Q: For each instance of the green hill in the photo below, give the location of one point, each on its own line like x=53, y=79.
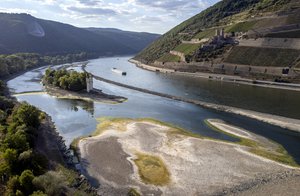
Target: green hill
x=25, y=33
x=227, y=14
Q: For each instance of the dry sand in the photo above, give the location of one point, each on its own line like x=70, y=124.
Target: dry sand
x=197, y=166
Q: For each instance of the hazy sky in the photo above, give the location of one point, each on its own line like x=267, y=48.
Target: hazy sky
x=133, y=15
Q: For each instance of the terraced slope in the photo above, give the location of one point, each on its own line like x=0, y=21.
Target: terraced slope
x=230, y=14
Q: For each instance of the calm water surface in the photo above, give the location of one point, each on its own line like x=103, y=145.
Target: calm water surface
x=274, y=101
x=76, y=118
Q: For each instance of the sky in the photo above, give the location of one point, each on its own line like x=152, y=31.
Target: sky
x=132, y=15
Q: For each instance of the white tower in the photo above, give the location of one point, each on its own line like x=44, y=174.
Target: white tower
x=89, y=83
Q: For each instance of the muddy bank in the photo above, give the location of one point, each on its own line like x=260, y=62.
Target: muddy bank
x=96, y=96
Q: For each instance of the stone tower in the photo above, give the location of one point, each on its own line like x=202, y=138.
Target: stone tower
x=89, y=83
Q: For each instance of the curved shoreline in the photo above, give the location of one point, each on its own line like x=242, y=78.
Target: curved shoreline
x=283, y=122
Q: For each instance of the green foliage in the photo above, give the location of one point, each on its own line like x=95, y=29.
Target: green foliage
x=2, y=116
x=26, y=181
x=207, y=33
x=241, y=26
x=187, y=49
x=18, y=133
x=17, y=141
x=13, y=185
x=271, y=5
x=51, y=183
x=27, y=115
x=10, y=64
x=19, y=193
x=6, y=104
x=73, y=80
x=169, y=58
x=38, y=193
x=10, y=156
x=133, y=192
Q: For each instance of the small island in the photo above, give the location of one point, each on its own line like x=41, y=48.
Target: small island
x=63, y=83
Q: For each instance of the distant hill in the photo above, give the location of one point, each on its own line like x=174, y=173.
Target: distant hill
x=137, y=41
x=25, y=33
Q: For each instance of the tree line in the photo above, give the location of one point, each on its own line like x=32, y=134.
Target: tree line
x=68, y=80
x=14, y=63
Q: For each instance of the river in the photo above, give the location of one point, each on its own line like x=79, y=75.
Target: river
x=76, y=118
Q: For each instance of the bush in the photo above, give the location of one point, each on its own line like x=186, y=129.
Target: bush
x=26, y=181
x=12, y=185
x=51, y=183
x=27, y=115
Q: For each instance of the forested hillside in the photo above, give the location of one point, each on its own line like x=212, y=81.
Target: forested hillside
x=25, y=33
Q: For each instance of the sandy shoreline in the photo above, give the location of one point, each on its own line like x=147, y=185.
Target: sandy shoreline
x=97, y=97
x=197, y=166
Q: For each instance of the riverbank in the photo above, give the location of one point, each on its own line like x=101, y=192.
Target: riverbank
x=221, y=77
x=94, y=95
x=196, y=165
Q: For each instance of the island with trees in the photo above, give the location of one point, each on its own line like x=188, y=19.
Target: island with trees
x=71, y=84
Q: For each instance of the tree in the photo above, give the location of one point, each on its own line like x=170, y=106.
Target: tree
x=17, y=141
x=11, y=156
x=26, y=181
x=51, y=183
x=12, y=185
x=26, y=114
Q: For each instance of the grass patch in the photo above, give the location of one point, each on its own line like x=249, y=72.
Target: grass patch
x=167, y=57
x=241, y=26
x=173, y=128
x=187, y=48
x=152, y=169
x=133, y=192
x=279, y=155
x=207, y=33
x=275, y=57
x=104, y=124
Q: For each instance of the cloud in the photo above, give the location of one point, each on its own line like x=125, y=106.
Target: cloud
x=90, y=2
x=146, y=19
x=17, y=10
x=93, y=11
x=171, y=5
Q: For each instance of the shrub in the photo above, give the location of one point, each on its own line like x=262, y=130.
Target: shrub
x=26, y=181
x=51, y=183
x=26, y=114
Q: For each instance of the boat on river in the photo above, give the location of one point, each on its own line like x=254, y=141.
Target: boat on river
x=123, y=73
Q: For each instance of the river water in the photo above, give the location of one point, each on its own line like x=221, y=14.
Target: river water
x=75, y=118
